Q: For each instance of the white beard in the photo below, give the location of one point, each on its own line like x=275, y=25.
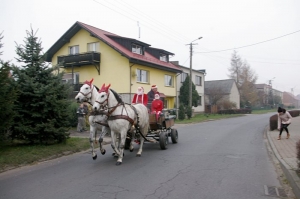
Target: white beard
x=140, y=92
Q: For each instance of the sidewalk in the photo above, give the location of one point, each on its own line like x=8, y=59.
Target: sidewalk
x=285, y=151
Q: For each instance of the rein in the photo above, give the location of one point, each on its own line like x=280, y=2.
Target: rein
x=91, y=92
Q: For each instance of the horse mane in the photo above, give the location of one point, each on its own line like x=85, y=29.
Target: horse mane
x=96, y=88
x=117, y=96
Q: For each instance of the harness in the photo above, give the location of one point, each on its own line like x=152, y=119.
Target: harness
x=101, y=112
x=125, y=117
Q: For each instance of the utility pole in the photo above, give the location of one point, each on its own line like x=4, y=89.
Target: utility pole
x=191, y=63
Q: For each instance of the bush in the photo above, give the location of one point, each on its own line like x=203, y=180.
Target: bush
x=235, y=111
x=181, y=113
x=72, y=109
x=189, y=112
x=298, y=152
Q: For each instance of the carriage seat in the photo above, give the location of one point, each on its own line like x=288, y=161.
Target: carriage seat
x=156, y=124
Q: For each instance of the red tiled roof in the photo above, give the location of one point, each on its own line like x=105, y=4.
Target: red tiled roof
x=104, y=36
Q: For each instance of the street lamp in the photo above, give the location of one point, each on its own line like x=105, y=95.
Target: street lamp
x=272, y=91
x=191, y=54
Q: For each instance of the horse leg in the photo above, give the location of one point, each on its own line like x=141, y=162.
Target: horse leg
x=131, y=147
x=113, y=143
x=92, y=132
x=144, y=132
x=122, y=137
x=102, y=134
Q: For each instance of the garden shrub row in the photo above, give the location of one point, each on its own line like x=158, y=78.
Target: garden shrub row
x=235, y=111
x=274, y=119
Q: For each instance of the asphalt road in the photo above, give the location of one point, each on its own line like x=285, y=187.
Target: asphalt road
x=223, y=159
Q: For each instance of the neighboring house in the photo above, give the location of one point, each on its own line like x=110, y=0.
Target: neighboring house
x=266, y=94
x=87, y=52
x=198, y=78
x=289, y=100
x=219, y=90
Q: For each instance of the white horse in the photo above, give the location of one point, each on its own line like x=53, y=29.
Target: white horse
x=121, y=118
x=98, y=120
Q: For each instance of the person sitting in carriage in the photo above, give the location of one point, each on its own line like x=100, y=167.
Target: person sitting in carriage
x=157, y=106
x=140, y=97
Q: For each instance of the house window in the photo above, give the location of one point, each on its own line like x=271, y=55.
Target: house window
x=136, y=49
x=73, y=50
x=200, y=101
x=163, y=57
x=198, y=80
x=165, y=103
x=183, y=76
x=67, y=78
x=168, y=80
x=142, y=76
x=93, y=47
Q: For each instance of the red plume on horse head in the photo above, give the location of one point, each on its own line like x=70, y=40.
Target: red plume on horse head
x=104, y=88
x=89, y=82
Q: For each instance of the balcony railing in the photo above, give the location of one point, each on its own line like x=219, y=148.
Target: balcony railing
x=80, y=59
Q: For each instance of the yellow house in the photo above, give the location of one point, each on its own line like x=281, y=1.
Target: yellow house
x=85, y=52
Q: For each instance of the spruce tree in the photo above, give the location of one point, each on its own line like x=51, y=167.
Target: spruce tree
x=42, y=102
x=7, y=97
x=184, y=93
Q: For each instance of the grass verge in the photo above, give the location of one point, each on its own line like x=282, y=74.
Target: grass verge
x=13, y=155
x=205, y=117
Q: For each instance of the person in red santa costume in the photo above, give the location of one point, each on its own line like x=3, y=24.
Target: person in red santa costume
x=140, y=97
x=157, y=106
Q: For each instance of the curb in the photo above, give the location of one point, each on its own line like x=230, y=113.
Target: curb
x=290, y=174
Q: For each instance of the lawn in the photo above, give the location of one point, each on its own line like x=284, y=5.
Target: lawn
x=15, y=154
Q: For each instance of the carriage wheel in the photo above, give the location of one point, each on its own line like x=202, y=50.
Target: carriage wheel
x=163, y=140
x=174, y=136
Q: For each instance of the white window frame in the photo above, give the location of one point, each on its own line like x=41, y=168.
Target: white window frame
x=73, y=50
x=183, y=76
x=68, y=78
x=163, y=57
x=93, y=47
x=198, y=80
x=142, y=76
x=168, y=80
x=137, y=49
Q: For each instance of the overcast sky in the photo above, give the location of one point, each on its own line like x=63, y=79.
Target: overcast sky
x=266, y=33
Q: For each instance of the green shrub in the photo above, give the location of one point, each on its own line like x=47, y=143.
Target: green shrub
x=189, y=112
x=181, y=113
x=72, y=109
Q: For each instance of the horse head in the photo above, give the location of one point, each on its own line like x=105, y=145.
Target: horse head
x=85, y=93
x=102, y=98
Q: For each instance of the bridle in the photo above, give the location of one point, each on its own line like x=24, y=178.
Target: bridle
x=91, y=92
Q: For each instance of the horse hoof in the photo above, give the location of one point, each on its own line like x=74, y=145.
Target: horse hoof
x=118, y=163
x=138, y=155
x=95, y=157
x=113, y=154
x=103, y=152
x=131, y=150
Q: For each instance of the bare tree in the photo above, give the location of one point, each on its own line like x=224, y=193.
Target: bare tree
x=245, y=78
x=214, y=95
x=235, y=68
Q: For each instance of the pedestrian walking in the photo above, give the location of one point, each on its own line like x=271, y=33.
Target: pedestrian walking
x=81, y=118
x=284, y=120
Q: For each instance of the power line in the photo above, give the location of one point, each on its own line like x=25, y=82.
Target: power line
x=162, y=31
x=250, y=44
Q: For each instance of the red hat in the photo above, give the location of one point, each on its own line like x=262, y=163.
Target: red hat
x=153, y=86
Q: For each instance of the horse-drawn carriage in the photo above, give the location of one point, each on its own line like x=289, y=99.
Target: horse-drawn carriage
x=125, y=122
x=159, y=131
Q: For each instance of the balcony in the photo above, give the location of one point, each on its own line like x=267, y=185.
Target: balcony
x=81, y=59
